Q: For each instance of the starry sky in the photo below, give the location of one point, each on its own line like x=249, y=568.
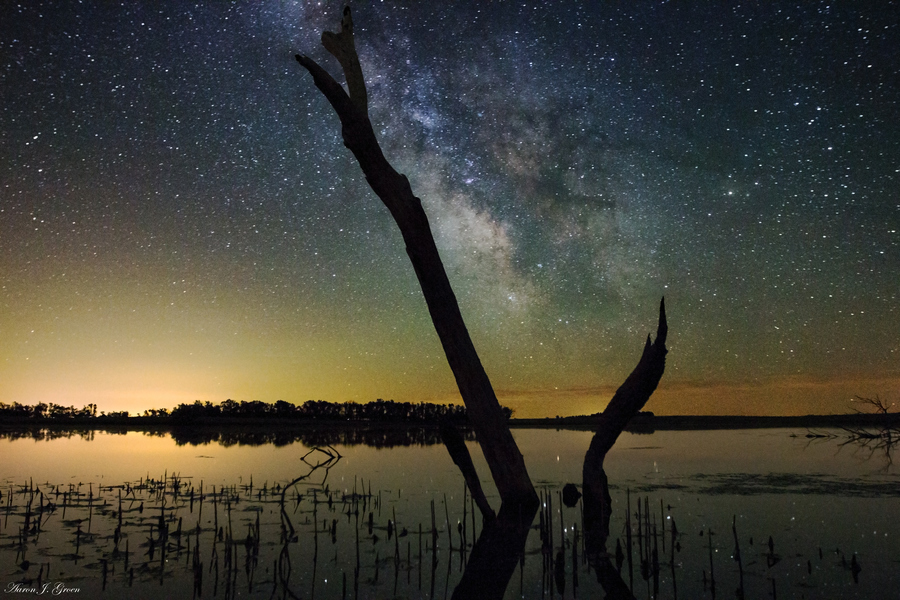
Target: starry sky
x=180, y=221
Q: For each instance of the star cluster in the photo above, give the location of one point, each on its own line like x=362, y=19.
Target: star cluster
x=179, y=219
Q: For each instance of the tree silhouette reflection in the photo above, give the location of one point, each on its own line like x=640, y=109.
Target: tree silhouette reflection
x=501, y=544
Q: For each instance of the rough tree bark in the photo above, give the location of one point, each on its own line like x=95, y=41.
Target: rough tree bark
x=500, y=450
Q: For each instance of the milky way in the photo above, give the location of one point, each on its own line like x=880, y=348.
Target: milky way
x=179, y=219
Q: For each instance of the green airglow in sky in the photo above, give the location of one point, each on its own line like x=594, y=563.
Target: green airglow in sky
x=180, y=221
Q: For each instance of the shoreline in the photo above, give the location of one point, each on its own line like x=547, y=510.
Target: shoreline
x=647, y=423
x=643, y=422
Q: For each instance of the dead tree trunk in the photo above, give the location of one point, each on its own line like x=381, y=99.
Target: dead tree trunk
x=498, y=549
x=500, y=450
x=632, y=395
x=596, y=501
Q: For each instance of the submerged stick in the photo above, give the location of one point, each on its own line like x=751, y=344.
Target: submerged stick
x=712, y=576
x=737, y=556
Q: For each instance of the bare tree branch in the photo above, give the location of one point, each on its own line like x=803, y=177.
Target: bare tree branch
x=631, y=397
x=342, y=46
x=503, y=457
x=879, y=406
x=628, y=400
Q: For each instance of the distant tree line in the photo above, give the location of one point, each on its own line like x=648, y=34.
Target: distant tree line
x=373, y=434
x=379, y=410
x=54, y=411
x=186, y=413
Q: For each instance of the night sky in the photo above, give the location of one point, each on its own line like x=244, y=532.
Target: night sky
x=179, y=219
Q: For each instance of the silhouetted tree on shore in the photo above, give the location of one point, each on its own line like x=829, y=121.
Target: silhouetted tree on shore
x=387, y=411
x=871, y=405
x=47, y=411
x=376, y=411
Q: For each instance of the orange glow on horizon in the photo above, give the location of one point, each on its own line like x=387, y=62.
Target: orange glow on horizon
x=786, y=396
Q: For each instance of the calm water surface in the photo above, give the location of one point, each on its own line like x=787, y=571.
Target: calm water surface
x=139, y=516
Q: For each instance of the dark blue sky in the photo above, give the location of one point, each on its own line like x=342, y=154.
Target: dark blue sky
x=181, y=221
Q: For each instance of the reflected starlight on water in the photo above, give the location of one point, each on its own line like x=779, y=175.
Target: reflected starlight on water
x=219, y=513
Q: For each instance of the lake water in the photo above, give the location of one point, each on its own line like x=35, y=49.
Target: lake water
x=140, y=516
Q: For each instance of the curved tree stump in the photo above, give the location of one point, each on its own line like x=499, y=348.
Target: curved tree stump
x=628, y=400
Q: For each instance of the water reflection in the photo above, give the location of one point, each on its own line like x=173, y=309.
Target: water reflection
x=501, y=546
x=352, y=532
x=375, y=436
x=873, y=442
x=42, y=434
x=597, y=507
